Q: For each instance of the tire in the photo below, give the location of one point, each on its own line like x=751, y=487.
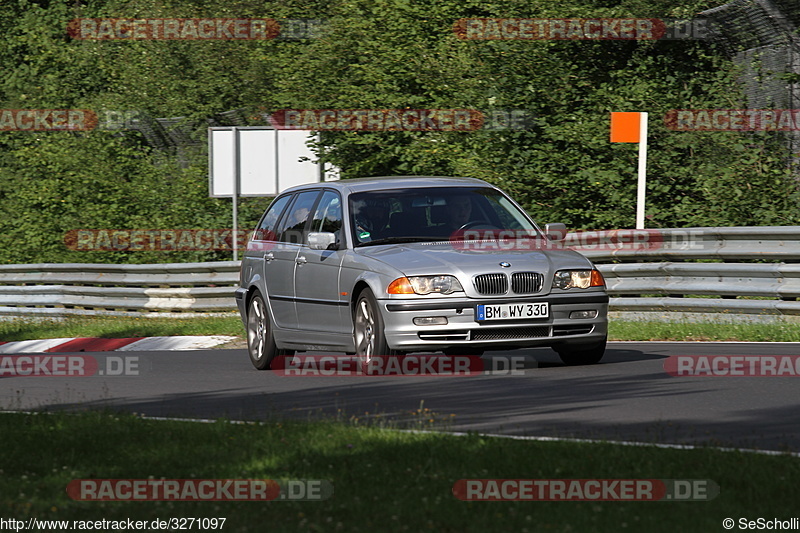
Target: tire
x=260, y=339
x=582, y=354
x=368, y=331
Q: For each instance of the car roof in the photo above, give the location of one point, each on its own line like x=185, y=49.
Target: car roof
x=379, y=183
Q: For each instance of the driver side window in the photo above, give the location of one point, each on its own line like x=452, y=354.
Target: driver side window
x=328, y=215
x=292, y=227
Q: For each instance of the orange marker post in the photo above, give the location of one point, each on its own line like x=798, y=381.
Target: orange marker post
x=632, y=128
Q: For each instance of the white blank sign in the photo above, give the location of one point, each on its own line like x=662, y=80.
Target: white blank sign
x=258, y=150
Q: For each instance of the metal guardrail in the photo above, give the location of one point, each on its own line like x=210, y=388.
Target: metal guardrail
x=770, y=243
x=736, y=288
x=172, y=290
x=671, y=283
x=654, y=271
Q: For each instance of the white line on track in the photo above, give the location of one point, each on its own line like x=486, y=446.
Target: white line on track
x=489, y=435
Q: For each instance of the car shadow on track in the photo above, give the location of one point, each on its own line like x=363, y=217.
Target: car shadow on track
x=548, y=358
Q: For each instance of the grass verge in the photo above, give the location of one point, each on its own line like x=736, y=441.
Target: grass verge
x=384, y=480
x=702, y=331
x=117, y=327
x=620, y=330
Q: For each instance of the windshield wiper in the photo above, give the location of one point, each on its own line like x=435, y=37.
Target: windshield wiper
x=397, y=240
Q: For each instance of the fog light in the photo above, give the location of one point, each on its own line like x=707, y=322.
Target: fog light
x=430, y=320
x=583, y=314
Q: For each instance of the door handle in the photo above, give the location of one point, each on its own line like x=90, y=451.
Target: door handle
x=269, y=256
x=301, y=260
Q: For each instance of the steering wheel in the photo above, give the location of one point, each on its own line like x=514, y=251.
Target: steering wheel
x=474, y=223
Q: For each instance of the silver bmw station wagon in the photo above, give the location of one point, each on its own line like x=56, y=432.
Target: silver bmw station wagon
x=386, y=266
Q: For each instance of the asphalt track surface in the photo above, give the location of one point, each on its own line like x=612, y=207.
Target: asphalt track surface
x=628, y=396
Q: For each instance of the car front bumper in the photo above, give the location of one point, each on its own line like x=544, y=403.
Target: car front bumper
x=240, y=295
x=462, y=328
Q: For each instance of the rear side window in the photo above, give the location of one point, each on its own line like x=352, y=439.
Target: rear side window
x=266, y=229
x=292, y=227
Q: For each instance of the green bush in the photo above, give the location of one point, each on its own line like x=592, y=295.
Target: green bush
x=383, y=54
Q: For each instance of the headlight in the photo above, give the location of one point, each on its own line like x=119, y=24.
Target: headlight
x=578, y=279
x=425, y=285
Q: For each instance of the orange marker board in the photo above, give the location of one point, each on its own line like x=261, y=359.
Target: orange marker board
x=626, y=127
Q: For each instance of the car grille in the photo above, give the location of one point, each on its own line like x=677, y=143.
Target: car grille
x=497, y=334
x=497, y=284
x=489, y=284
x=526, y=282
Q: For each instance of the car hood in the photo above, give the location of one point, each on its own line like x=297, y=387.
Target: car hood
x=443, y=258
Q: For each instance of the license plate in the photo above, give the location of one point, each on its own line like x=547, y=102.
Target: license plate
x=513, y=311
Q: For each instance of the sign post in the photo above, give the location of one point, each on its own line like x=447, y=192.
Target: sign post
x=632, y=128
x=249, y=161
x=237, y=184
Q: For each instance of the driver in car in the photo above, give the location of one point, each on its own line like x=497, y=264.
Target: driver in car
x=459, y=210
x=372, y=220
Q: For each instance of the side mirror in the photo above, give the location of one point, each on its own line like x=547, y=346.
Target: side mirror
x=322, y=241
x=555, y=231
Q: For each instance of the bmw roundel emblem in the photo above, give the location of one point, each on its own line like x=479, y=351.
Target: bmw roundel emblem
x=505, y=264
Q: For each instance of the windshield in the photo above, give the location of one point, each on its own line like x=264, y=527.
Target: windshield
x=434, y=214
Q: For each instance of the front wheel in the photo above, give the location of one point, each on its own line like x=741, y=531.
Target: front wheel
x=582, y=354
x=368, y=330
x=260, y=339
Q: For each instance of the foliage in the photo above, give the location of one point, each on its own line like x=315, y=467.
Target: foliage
x=383, y=54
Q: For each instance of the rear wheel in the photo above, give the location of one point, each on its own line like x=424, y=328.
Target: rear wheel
x=368, y=330
x=260, y=339
x=582, y=354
